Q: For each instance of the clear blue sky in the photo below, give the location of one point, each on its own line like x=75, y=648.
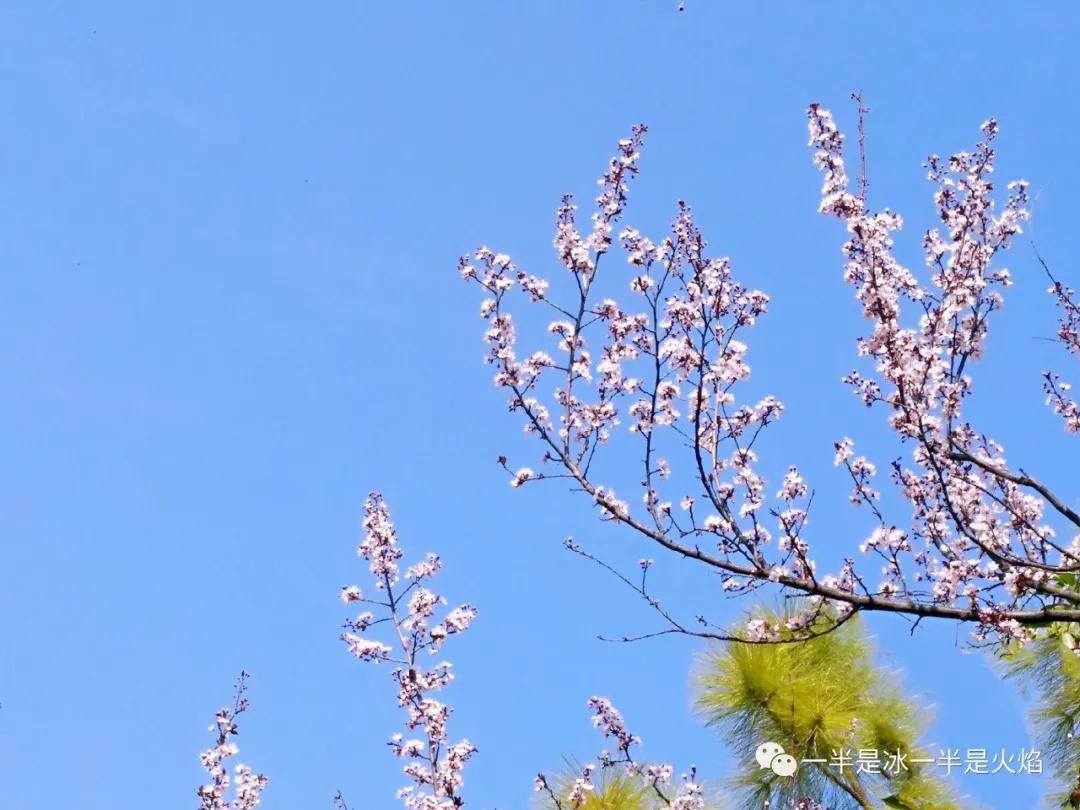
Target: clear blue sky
x=229, y=307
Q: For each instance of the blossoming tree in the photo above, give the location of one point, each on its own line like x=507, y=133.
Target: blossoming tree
x=981, y=542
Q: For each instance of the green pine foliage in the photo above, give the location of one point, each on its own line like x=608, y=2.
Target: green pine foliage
x=1048, y=669
x=815, y=698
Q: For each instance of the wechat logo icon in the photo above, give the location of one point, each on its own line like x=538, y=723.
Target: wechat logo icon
x=771, y=755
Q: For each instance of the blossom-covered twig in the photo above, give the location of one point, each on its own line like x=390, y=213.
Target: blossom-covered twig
x=1068, y=335
x=407, y=609
x=246, y=785
x=655, y=778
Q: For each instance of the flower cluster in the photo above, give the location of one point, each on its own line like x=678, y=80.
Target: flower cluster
x=246, y=785
x=1068, y=335
x=1069, y=324
x=978, y=545
x=409, y=608
x=687, y=794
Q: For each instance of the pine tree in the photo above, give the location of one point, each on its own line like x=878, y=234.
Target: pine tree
x=817, y=698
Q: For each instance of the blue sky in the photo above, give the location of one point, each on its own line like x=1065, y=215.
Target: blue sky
x=227, y=287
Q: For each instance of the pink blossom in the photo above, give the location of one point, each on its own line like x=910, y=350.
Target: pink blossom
x=246, y=785
x=433, y=763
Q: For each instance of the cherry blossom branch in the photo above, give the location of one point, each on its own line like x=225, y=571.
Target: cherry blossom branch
x=806, y=623
x=640, y=589
x=839, y=590
x=433, y=763
x=656, y=778
x=246, y=785
x=1068, y=335
x=1059, y=400
x=1069, y=326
